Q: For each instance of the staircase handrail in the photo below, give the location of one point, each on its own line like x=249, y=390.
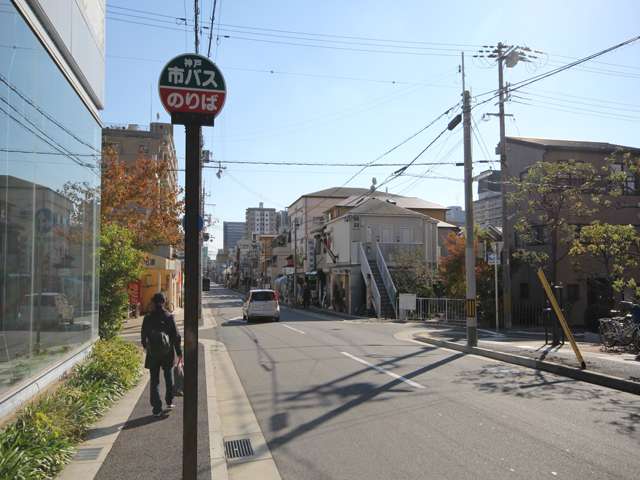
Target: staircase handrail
x=387, y=279
x=366, y=271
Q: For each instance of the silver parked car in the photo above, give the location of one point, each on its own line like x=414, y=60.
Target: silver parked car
x=261, y=304
x=51, y=308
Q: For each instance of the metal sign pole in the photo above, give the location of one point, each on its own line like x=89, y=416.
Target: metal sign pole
x=192, y=297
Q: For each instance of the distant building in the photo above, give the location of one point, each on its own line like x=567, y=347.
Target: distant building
x=455, y=215
x=260, y=221
x=132, y=141
x=282, y=221
x=232, y=232
x=487, y=210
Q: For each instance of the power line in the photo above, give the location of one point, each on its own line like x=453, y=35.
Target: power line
x=298, y=44
x=536, y=78
x=46, y=139
x=42, y=112
x=311, y=34
x=411, y=137
x=274, y=71
x=36, y=152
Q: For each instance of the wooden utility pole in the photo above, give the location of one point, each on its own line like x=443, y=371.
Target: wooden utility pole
x=469, y=253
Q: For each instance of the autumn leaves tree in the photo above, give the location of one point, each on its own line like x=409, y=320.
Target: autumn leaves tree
x=452, y=273
x=140, y=198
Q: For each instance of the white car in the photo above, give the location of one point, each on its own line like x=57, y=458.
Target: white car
x=52, y=309
x=261, y=304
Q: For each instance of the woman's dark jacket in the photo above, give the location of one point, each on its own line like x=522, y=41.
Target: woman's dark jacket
x=163, y=321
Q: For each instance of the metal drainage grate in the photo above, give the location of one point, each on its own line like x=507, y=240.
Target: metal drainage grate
x=238, y=448
x=87, y=454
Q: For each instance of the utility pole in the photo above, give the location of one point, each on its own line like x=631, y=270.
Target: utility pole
x=510, y=55
x=504, y=176
x=469, y=256
x=295, y=262
x=192, y=287
x=197, y=23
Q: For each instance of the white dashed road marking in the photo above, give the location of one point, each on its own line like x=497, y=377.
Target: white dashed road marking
x=382, y=370
x=291, y=328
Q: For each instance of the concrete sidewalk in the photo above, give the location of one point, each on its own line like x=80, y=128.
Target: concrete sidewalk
x=618, y=364
x=129, y=442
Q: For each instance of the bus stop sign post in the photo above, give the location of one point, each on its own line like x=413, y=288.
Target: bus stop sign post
x=192, y=90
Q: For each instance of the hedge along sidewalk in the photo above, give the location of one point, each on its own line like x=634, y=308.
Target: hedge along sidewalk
x=43, y=437
x=499, y=352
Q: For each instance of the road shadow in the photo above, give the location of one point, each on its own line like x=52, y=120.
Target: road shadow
x=529, y=384
x=354, y=394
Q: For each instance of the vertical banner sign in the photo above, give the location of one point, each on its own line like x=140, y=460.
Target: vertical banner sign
x=193, y=91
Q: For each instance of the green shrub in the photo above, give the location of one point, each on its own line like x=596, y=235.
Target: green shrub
x=41, y=440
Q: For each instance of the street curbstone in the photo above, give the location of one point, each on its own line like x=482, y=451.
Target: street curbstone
x=552, y=367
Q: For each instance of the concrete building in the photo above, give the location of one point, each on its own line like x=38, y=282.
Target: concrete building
x=132, y=141
x=282, y=221
x=487, y=210
x=260, y=221
x=455, y=215
x=53, y=74
x=232, y=232
x=582, y=285
x=362, y=248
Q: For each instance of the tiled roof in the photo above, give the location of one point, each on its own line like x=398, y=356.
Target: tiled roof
x=373, y=206
x=399, y=200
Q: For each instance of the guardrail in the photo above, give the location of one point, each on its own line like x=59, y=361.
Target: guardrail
x=446, y=310
x=387, y=279
x=366, y=270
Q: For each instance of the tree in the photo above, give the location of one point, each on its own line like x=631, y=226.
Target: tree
x=139, y=198
x=615, y=248
x=120, y=264
x=549, y=200
x=452, y=274
x=411, y=274
x=554, y=197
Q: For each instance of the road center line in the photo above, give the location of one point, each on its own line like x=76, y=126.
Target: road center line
x=382, y=370
x=291, y=328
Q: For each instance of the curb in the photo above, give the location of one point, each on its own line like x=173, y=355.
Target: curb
x=331, y=313
x=601, y=379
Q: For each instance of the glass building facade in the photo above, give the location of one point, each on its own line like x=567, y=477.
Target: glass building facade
x=49, y=214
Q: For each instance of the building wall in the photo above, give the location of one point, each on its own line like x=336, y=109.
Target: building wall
x=132, y=142
x=260, y=221
x=232, y=233
x=48, y=240
x=525, y=284
x=309, y=213
x=488, y=211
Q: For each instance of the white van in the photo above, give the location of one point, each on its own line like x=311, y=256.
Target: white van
x=261, y=304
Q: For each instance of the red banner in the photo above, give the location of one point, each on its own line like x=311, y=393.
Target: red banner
x=189, y=100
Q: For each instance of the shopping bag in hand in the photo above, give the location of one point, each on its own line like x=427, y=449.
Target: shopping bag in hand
x=178, y=379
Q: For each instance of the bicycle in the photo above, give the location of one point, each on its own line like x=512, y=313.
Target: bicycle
x=621, y=330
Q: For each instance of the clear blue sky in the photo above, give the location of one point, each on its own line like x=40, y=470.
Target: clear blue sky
x=304, y=112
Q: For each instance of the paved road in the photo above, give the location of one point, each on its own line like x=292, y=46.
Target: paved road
x=324, y=395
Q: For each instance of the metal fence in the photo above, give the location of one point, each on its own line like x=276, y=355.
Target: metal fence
x=445, y=310
x=528, y=315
